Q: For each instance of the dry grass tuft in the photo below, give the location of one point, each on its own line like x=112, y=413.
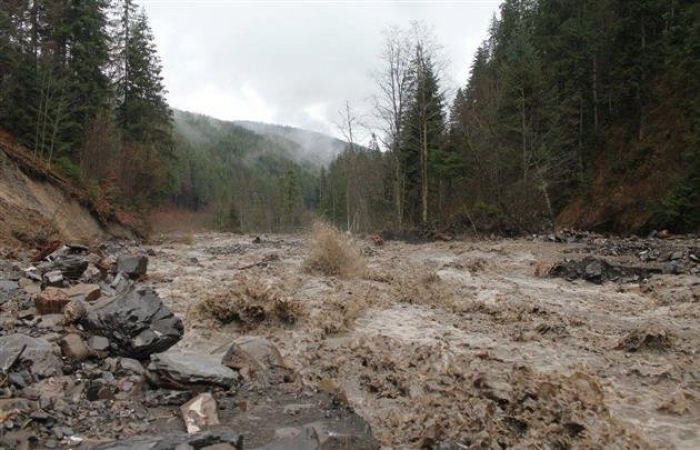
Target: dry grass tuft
x=333, y=254
x=248, y=306
x=187, y=239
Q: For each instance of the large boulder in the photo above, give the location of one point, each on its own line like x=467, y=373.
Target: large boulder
x=36, y=352
x=137, y=321
x=187, y=369
x=180, y=440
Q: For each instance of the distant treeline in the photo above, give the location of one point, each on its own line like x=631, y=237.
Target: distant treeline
x=582, y=112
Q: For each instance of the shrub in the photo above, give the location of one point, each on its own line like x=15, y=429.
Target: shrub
x=333, y=253
x=247, y=305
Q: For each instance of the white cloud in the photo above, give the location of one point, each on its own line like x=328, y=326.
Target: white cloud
x=296, y=63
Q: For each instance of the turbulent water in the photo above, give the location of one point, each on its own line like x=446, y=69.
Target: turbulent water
x=464, y=341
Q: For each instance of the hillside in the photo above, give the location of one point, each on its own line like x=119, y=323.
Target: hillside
x=40, y=202
x=243, y=179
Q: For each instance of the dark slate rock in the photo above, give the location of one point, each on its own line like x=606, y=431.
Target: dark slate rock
x=72, y=267
x=137, y=322
x=36, y=352
x=134, y=266
x=178, y=440
x=598, y=270
x=187, y=369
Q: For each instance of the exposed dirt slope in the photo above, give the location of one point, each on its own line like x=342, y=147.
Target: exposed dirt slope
x=632, y=172
x=37, y=204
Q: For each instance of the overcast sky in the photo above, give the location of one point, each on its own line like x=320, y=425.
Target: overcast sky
x=296, y=62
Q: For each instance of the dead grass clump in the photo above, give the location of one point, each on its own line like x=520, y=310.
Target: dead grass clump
x=248, y=306
x=340, y=314
x=651, y=338
x=187, y=239
x=333, y=254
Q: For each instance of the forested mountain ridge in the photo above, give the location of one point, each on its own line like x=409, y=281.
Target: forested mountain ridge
x=250, y=181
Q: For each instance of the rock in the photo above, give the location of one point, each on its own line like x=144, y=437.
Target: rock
x=101, y=389
x=17, y=404
x=20, y=440
x=72, y=267
x=30, y=286
x=594, y=271
x=74, y=348
x=51, y=321
x=86, y=292
x=673, y=267
x=375, y=240
x=76, y=310
x=92, y=274
x=99, y=346
x=120, y=283
x=51, y=301
x=137, y=322
x=8, y=285
x=131, y=366
x=38, y=353
x=256, y=358
x=27, y=314
x=54, y=278
x=200, y=413
x=134, y=266
x=186, y=369
x=675, y=256
x=353, y=433
x=598, y=270
x=179, y=441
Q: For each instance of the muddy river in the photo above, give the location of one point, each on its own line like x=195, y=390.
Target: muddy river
x=467, y=342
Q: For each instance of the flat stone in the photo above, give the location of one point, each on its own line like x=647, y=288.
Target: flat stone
x=50, y=321
x=87, y=292
x=74, y=348
x=188, y=368
x=178, y=440
x=38, y=353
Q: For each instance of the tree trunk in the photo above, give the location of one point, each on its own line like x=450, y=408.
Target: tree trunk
x=424, y=173
x=595, y=93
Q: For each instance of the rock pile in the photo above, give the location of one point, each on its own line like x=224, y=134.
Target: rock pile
x=87, y=358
